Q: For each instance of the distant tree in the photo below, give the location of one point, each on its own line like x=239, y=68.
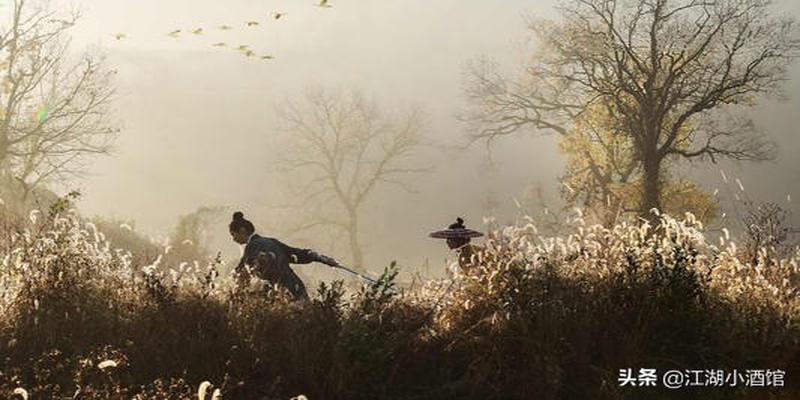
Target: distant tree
x=341, y=149
x=676, y=76
x=193, y=229
x=190, y=239
x=53, y=110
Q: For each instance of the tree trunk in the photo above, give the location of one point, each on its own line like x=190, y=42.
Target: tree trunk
x=4, y=148
x=355, y=247
x=651, y=186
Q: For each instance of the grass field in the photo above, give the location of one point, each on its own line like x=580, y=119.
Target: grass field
x=542, y=318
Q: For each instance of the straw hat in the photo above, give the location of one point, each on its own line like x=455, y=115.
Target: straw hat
x=455, y=231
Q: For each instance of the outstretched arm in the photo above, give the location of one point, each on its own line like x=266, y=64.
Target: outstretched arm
x=305, y=256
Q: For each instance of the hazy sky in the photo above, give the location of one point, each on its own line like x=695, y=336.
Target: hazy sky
x=198, y=121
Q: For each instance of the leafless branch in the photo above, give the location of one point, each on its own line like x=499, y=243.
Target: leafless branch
x=54, y=112
x=340, y=148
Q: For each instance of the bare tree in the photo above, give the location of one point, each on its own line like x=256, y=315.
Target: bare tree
x=53, y=108
x=675, y=74
x=341, y=149
x=767, y=229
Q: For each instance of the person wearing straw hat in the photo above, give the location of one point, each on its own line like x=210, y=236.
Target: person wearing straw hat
x=269, y=258
x=458, y=238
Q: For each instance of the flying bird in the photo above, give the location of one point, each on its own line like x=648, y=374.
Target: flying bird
x=252, y=23
x=278, y=15
x=249, y=53
x=120, y=36
x=323, y=3
x=220, y=44
x=198, y=31
x=224, y=27
x=267, y=57
x=174, y=33
x=242, y=47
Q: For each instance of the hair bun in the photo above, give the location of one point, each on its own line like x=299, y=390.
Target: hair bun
x=458, y=225
x=238, y=216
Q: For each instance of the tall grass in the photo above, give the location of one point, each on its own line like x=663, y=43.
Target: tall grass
x=543, y=318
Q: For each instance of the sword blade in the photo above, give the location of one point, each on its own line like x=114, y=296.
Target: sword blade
x=364, y=277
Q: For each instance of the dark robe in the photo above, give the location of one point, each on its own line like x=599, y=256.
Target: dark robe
x=469, y=257
x=269, y=259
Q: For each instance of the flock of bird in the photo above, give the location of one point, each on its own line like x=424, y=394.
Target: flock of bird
x=243, y=49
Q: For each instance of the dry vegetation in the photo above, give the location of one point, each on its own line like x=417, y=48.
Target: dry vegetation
x=549, y=318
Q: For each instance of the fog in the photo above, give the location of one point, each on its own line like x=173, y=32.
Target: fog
x=199, y=127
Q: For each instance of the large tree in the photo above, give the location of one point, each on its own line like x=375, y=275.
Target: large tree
x=340, y=149
x=675, y=75
x=604, y=178
x=54, y=105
